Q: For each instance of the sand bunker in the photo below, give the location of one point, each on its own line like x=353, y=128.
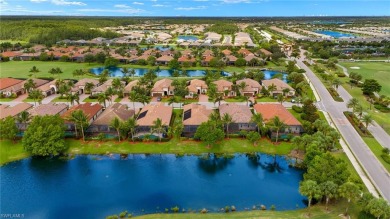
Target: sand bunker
x=354, y=67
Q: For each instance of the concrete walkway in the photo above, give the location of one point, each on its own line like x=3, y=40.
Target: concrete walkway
x=369, y=163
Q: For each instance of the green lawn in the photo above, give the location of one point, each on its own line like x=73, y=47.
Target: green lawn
x=11, y=151
x=372, y=70
x=266, y=99
x=376, y=148
x=88, y=100
x=232, y=145
x=316, y=212
x=58, y=99
x=6, y=99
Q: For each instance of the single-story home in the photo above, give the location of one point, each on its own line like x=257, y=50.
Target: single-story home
x=13, y=111
x=225, y=87
x=79, y=87
x=279, y=87
x=9, y=86
x=193, y=116
x=151, y=113
x=162, y=88
x=91, y=110
x=196, y=86
x=49, y=109
x=252, y=87
x=241, y=117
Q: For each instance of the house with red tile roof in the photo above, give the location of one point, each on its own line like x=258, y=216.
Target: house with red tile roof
x=11, y=54
x=91, y=110
x=270, y=110
x=163, y=88
x=196, y=86
x=151, y=113
x=252, y=87
x=225, y=87
x=241, y=116
x=280, y=86
x=48, y=88
x=164, y=60
x=9, y=86
x=244, y=52
x=13, y=111
x=193, y=116
x=102, y=124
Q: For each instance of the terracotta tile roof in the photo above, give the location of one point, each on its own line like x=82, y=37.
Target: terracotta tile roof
x=250, y=84
x=118, y=110
x=239, y=113
x=8, y=82
x=13, y=111
x=231, y=58
x=207, y=58
x=150, y=113
x=11, y=53
x=185, y=58
x=226, y=52
x=48, y=109
x=196, y=114
x=38, y=82
x=130, y=86
x=161, y=84
x=245, y=52
x=270, y=110
x=103, y=87
x=84, y=81
x=90, y=109
x=207, y=53
x=265, y=52
x=280, y=85
x=223, y=85
x=250, y=57
x=47, y=86
x=194, y=83
x=164, y=58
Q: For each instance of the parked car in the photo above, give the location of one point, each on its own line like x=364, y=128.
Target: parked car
x=158, y=99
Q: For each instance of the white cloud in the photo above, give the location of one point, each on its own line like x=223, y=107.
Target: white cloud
x=138, y=3
x=3, y=2
x=38, y=1
x=125, y=10
x=153, y=0
x=190, y=8
x=235, y=1
x=65, y=2
x=121, y=6
x=159, y=5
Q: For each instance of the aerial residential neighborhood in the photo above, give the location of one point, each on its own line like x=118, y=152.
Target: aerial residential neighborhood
x=136, y=110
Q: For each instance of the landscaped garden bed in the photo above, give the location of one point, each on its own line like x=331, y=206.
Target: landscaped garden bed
x=334, y=94
x=357, y=124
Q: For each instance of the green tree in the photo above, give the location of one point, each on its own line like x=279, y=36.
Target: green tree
x=253, y=137
x=111, y=62
x=352, y=103
x=116, y=124
x=73, y=98
x=350, y=191
x=132, y=125
x=370, y=86
x=8, y=128
x=258, y=119
x=379, y=207
x=34, y=70
x=367, y=120
x=158, y=127
x=29, y=85
x=23, y=118
x=36, y=95
x=102, y=98
x=45, y=136
x=209, y=133
x=310, y=189
x=329, y=190
x=226, y=121
x=277, y=125
x=309, y=111
x=88, y=87
x=80, y=121
x=336, y=83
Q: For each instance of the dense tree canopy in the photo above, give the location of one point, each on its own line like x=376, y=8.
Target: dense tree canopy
x=45, y=136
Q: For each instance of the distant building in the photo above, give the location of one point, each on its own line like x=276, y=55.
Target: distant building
x=92, y=111
x=196, y=86
x=252, y=87
x=163, y=88
x=13, y=111
x=9, y=86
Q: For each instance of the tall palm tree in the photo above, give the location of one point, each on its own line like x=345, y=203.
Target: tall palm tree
x=133, y=96
x=215, y=118
x=285, y=91
x=34, y=70
x=218, y=98
x=329, y=190
x=80, y=120
x=110, y=93
x=23, y=119
x=144, y=99
x=352, y=103
x=367, y=120
x=258, y=119
x=29, y=85
x=74, y=98
x=117, y=85
x=125, y=71
x=158, y=127
x=241, y=86
x=227, y=120
x=132, y=72
x=277, y=125
x=88, y=87
x=280, y=98
x=336, y=83
x=310, y=189
x=37, y=96
x=350, y=191
x=102, y=97
x=271, y=89
x=132, y=124
x=116, y=124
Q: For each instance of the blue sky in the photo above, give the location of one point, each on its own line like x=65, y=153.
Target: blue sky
x=196, y=7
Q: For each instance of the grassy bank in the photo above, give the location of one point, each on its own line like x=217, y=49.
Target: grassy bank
x=316, y=212
x=11, y=151
x=376, y=148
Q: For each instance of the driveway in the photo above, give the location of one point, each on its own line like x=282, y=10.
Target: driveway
x=203, y=98
x=20, y=98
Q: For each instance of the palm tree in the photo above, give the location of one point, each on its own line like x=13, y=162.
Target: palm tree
x=350, y=191
x=116, y=124
x=352, y=103
x=215, y=118
x=125, y=71
x=117, y=85
x=110, y=93
x=144, y=99
x=102, y=97
x=367, y=120
x=329, y=190
x=80, y=119
x=258, y=119
x=37, y=96
x=241, y=86
x=56, y=71
x=277, y=125
x=158, y=127
x=310, y=189
x=227, y=120
x=271, y=89
x=78, y=72
x=23, y=119
x=132, y=124
x=280, y=98
x=74, y=98
x=88, y=87
x=336, y=83
x=359, y=110
x=218, y=98
x=133, y=97
x=29, y=85
x=246, y=98
x=132, y=72
x=34, y=70
x=285, y=91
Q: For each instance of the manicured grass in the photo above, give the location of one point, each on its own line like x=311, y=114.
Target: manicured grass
x=376, y=148
x=231, y=100
x=28, y=100
x=118, y=99
x=317, y=211
x=372, y=70
x=58, y=99
x=88, y=100
x=11, y=151
x=232, y=145
x=14, y=41
x=266, y=99
x=20, y=69
x=6, y=99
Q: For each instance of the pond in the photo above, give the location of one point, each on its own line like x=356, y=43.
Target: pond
x=335, y=34
x=187, y=37
x=96, y=186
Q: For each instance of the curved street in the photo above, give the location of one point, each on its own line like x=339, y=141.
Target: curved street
x=374, y=169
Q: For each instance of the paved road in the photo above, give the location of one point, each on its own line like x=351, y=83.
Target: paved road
x=378, y=174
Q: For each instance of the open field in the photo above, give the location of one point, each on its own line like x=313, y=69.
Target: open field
x=372, y=70
x=316, y=212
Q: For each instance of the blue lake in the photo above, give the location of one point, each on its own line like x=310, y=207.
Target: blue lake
x=96, y=186
x=187, y=38
x=335, y=34
x=117, y=72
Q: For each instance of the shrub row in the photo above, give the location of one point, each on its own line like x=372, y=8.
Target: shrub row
x=357, y=124
x=334, y=94
x=297, y=109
